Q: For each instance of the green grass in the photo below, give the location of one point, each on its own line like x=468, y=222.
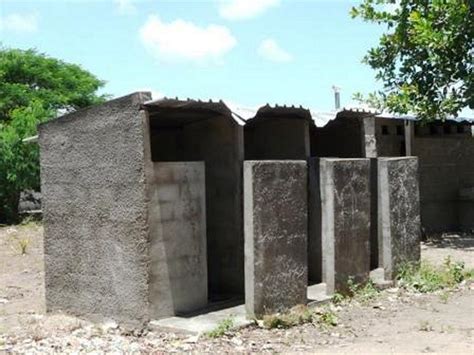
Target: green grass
x=426, y=277
x=363, y=293
x=223, y=327
x=300, y=315
x=327, y=318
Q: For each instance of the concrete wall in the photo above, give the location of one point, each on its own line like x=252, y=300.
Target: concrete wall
x=345, y=216
x=275, y=200
x=466, y=209
x=95, y=212
x=339, y=138
x=277, y=138
x=178, y=270
x=446, y=166
x=390, y=137
x=315, y=258
x=218, y=141
x=398, y=213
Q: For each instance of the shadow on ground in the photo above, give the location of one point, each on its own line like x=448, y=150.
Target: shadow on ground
x=463, y=241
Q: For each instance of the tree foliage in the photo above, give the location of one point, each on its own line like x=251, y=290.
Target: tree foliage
x=425, y=57
x=33, y=89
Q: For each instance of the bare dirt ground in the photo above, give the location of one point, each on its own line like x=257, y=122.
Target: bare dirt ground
x=395, y=322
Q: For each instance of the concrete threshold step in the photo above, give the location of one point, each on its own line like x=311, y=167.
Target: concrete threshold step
x=378, y=277
x=209, y=318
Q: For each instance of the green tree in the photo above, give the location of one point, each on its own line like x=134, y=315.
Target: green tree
x=425, y=57
x=33, y=89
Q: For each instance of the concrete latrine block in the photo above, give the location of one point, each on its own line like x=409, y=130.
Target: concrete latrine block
x=177, y=216
x=398, y=213
x=345, y=221
x=275, y=229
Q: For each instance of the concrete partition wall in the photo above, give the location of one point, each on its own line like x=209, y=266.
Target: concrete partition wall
x=275, y=226
x=177, y=214
x=345, y=221
x=192, y=131
x=399, y=213
x=219, y=142
x=277, y=138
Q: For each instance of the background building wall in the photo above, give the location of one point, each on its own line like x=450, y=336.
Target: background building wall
x=446, y=165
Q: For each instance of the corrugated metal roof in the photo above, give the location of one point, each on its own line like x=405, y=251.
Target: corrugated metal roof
x=198, y=105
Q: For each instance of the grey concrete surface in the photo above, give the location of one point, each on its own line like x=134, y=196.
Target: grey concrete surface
x=218, y=141
x=315, y=258
x=345, y=199
x=203, y=322
x=466, y=209
x=95, y=211
x=277, y=138
x=275, y=225
x=178, y=258
x=445, y=167
x=399, y=213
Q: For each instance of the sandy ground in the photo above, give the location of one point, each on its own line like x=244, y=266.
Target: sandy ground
x=395, y=322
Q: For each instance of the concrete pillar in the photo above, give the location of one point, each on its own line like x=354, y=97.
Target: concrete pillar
x=409, y=137
x=374, y=243
x=315, y=259
x=345, y=219
x=399, y=213
x=275, y=228
x=177, y=217
x=369, y=141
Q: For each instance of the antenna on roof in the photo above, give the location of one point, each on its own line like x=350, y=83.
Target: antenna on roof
x=337, y=96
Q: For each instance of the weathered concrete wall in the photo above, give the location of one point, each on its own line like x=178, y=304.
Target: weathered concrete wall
x=219, y=142
x=446, y=166
x=374, y=225
x=178, y=269
x=390, y=137
x=339, y=138
x=315, y=258
x=345, y=198
x=466, y=209
x=275, y=200
x=95, y=212
x=399, y=213
x=277, y=138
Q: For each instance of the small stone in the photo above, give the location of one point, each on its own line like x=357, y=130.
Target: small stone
x=237, y=341
x=192, y=339
x=109, y=326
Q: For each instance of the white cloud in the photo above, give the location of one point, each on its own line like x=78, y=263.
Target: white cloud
x=271, y=50
x=184, y=40
x=244, y=9
x=25, y=23
x=125, y=7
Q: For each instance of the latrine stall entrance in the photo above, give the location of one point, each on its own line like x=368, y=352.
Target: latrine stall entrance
x=195, y=131
x=282, y=133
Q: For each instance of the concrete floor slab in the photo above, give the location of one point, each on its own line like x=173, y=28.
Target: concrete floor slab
x=209, y=318
x=205, y=321
x=317, y=294
x=378, y=277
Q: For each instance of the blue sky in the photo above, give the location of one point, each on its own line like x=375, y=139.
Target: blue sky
x=246, y=51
